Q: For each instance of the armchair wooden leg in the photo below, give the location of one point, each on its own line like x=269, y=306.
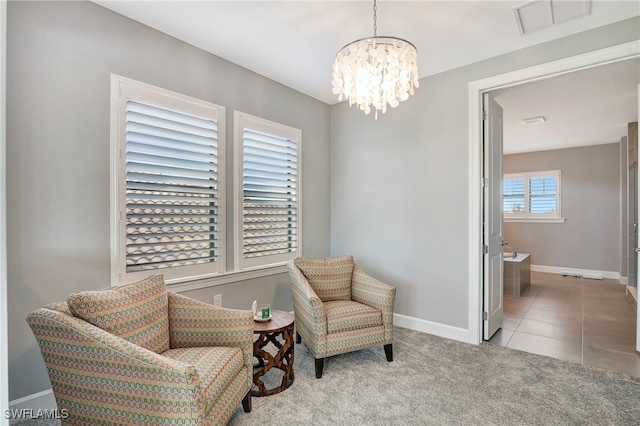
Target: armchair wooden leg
x=298, y=337
x=319, y=367
x=246, y=402
x=388, y=351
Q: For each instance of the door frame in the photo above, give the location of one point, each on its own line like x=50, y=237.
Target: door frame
x=476, y=90
x=4, y=317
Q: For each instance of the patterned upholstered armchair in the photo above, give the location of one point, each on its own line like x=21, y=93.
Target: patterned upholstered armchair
x=340, y=308
x=138, y=354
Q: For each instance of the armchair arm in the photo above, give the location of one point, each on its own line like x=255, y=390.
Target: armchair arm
x=308, y=308
x=373, y=292
x=194, y=323
x=89, y=366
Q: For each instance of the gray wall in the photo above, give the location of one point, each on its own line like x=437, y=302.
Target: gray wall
x=59, y=59
x=400, y=185
x=590, y=237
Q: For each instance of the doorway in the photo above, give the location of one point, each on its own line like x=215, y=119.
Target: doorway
x=476, y=90
x=564, y=317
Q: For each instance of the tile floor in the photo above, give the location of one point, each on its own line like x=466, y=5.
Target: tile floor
x=579, y=320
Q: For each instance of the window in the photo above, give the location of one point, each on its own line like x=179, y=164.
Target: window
x=532, y=196
x=167, y=184
x=267, y=164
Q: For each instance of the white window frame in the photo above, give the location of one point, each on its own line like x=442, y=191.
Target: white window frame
x=242, y=121
x=121, y=89
x=535, y=217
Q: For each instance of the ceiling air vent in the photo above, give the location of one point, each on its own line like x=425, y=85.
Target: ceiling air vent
x=544, y=13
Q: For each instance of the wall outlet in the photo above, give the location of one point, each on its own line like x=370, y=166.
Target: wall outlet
x=217, y=300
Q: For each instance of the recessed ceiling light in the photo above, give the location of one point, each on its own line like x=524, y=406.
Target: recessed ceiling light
x=533, y=120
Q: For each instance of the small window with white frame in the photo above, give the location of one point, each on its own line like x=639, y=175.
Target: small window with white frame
x=167, y=184
x=267, y=188
x=532, y=196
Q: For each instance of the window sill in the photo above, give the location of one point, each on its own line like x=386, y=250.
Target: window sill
x=195, y=283
x=535, y=219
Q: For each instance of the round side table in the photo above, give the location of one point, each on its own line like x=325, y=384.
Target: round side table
x=279, y=332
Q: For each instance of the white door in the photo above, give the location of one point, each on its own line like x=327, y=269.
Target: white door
x=638, y=266
x=492, y=216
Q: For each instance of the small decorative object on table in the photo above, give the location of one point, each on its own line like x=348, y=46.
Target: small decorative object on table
x=261, y=312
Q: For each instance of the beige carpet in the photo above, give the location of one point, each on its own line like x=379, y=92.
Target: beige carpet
x=436, y=381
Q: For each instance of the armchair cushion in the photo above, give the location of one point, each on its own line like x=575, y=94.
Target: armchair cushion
x=330, y=278
x=136, y=312
x=215, y=367
x=345, y=315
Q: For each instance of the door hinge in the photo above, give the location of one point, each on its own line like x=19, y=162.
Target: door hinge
x=485, y=182
x=485, y=316
x=485, y=249
x=485, y=115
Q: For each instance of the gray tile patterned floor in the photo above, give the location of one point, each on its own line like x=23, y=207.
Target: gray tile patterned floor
x=580, y=320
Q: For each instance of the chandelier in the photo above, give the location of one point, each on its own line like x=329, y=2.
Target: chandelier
x=376, y=72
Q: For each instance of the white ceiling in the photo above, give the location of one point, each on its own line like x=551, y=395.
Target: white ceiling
x=295, y=42
x=588, y=107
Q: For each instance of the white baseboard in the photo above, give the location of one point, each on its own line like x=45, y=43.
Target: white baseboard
x=437, y=329
x=624, y=280
x=35, y=402
x=584, y=272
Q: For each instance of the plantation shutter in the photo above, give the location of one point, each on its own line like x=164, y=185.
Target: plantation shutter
x=171, y=188
x=543, y=195
x=532, y=196
x=270, y=195
x=513, y=196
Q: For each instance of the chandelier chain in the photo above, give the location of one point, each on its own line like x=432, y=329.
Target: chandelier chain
x=375, y=19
